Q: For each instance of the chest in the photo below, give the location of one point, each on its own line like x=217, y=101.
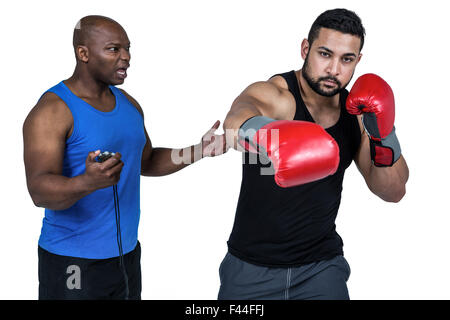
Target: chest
x=325, y=117
x=106, y=104
x=118, y=130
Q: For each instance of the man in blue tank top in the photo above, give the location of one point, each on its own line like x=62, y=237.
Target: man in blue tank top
x=299, y=131
x=88, y=248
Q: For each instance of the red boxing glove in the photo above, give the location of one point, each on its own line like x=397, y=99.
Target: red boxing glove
x=300, y=151
x=372, y=97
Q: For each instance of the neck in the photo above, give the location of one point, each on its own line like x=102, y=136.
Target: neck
x=313, y=99
x=83, y=84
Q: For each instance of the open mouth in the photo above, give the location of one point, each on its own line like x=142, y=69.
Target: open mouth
x=121, y=73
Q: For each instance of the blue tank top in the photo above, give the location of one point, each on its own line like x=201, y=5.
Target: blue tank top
x=88, y=228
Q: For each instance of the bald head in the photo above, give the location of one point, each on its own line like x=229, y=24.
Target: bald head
x=87, y=27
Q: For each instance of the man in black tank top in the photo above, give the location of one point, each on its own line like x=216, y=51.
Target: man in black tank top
x=284, y=243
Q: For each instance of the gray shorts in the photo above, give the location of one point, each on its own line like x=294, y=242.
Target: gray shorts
x=324, y=280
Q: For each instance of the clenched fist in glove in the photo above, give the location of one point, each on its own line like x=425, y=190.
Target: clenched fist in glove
x=372, y=97
x=300, y=151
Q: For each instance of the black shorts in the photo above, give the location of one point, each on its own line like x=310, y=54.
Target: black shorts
x=69, y=278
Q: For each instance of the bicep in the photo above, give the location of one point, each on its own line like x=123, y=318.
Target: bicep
x=260, y=98
x=44, y=134
x=148, y=148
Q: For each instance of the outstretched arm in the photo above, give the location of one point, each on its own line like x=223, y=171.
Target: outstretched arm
x=164, y=161
x=264, y=98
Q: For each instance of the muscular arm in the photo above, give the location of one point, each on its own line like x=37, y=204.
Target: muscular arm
x=44, y=133
x=159, y=161
x=266, y=98
x=388, y=183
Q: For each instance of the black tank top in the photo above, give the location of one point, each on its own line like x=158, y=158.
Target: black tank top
x=288, y=227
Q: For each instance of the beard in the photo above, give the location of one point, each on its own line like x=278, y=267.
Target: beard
x=315, y=84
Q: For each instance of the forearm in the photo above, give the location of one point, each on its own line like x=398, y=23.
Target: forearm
x=239, y=113
x=389, y=183
x=57, y=192
x=165, y=161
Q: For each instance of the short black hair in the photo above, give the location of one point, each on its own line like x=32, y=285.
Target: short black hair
x=341, y=20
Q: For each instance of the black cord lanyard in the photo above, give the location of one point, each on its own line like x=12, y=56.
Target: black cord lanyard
x=119, y=240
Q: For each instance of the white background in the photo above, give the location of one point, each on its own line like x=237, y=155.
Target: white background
x=190, y=59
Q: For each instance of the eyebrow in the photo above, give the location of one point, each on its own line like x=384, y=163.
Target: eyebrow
x=331, y=51
x=116, y=43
